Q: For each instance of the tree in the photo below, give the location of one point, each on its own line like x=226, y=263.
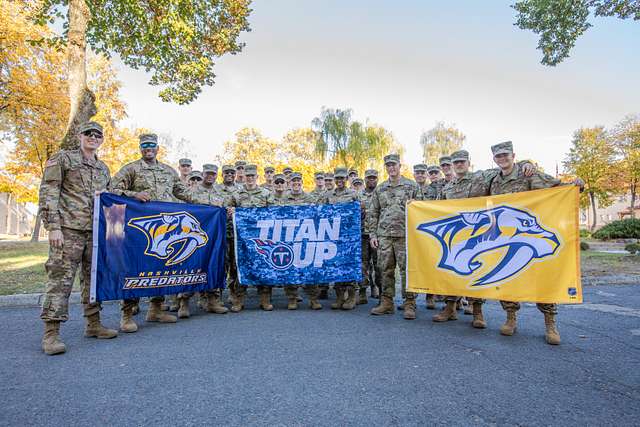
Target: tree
x=560, y=22
x=251, y=146
x=590, y=158
x=626, y=141
x=440, y=140
x=177, y=41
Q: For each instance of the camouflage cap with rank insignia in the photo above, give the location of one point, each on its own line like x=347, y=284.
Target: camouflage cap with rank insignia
x=502, y=148
x=184, y=162
x=460, y=156
x=195, y=175
x=90, y=126
x=241, y=164
x=445, y=160
x=318, y=175
x=434, y=169
x=357, y=181
x=268, y=169
x=209, y=168
x=295, y=175
x=391, y=158
x=228, y=168
x=328, y=176
x=370, y=172
x=279, y=177
x=148, y=138
x=420, y=167
x=353, y=171
x=340, y=172
x=251, y=170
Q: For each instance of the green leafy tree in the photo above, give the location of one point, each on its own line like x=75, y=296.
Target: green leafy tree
x=177, y=41
x=560, y=22
x=440, y=140
x=626, y=140
x=590, y=158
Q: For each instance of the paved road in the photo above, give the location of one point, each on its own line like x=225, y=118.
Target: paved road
x=331, y=368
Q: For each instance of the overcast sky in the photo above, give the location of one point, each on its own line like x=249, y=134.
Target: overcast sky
x=405, y=65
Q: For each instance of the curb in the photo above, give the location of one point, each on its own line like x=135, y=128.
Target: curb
x=31, y=300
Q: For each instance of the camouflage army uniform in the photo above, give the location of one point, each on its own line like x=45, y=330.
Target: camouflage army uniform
x=386, y=222
x=231, y=272
x=157, y=179
x=244, y=198
x=67, y=193
x=369, y=255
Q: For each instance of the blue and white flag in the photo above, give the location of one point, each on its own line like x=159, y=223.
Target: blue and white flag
x=155, y=248
x=298, y=245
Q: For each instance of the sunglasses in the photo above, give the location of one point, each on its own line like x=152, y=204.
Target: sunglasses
x=148, y=145
x=92, y=134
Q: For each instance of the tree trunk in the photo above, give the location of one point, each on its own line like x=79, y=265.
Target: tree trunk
x=36, y=229
x=594, y=222
x=633, y=189
x=81, y=99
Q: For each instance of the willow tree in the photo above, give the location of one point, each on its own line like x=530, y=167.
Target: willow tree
x=440, y=140
x=177, y=41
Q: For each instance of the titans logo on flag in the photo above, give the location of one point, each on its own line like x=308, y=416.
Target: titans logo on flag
x=173, y=237
x=467, y=238
x=278, y=255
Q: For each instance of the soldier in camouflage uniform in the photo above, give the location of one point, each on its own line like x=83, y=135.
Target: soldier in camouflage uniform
x=370, y=254
x=317, y=195
x=353, y=174
x=512, y=179
x=287, y=171
x=269, y=172
x=148, y=179
x=386, y=225
x=420, y=176
x=71, y=180
x=226, y=189
x=296, y=197
x=194, y=179
x=436, y=184
x=329, y=184
x=357, y=184
x=184, y=166
x=279, y=189
x=207, y=193
x=342, y=194
x=239, y=167
x=251, y=196
x=447, y=168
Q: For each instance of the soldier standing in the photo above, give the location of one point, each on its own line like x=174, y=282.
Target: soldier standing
x=512, y=179
x=387, y=234
x=357, y=184
x=329, y=184
x=370, y=254
x=269, y=172
x=420, y=176
x=447, y=168
x=251, y=196
x=184, y=166
x=240, y=165
x=148, y=179
x=71, y=180
x=279, y=189
x=194, y=178
x=227, y=188
x=318, y=191
x=342, y=194
x=353, y=174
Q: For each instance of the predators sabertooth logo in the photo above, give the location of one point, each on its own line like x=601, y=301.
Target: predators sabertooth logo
x=468, y=236
x=173, y=237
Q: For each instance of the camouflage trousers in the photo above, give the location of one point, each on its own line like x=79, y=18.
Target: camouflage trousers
x=61, y=268
x=311, y=291
x=392, y=252
x=370, y=270
x=470, y=300
x=545, y=308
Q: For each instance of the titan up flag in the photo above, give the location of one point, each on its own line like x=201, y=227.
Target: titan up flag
x=298, y=245
x=514, y=247
x=155, y=248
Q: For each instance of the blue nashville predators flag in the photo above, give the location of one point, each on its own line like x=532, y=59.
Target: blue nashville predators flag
x=298, y=245
x=155, y=248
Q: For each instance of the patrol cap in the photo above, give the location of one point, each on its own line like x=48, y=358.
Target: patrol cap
x=268, y=169
x=295, y=175
x=353, y=171
x=195, y=175
x=86, y=126
x=502, y=148
x=278, y=177
x=420, y=167
x=148, y=139
x=340, y=172
x=391, y=158
x=228, y=168
x=357, y=181
x=460, y=155
x=445, y=160
x=240, y=164
x=250, y=169
x=184, y=162
x=318, y=175
x=287, y=170
x=328, y=176
x=434, y=168
x=370, y=172
x=209, y=168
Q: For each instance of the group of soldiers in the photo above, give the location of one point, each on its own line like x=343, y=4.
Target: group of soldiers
x=72, y=178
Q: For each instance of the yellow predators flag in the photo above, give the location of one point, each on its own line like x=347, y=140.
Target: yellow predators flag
x=513, y=247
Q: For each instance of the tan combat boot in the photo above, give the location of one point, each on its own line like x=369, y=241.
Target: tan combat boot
x=314, y=304
x=350, y=302
x=509, y=327
x=362, y=296
x=431, y=303
x=214, y=305
x=468, y=307
x=551, y=335
x=293, y=303
x=265, y=301
x=51, y=342
x=237, y=304
x=94, y=328
x=183, y=308
x=155, y=314
x=339, y=300
x=478, y=319
x=385, y=307
x=409, y=310
x=449, y=313
x=127, y=325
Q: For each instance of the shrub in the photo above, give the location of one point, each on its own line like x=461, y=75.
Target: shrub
x=632, y=248
x=625, y=229
x=585, y=233
x=584, y=246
